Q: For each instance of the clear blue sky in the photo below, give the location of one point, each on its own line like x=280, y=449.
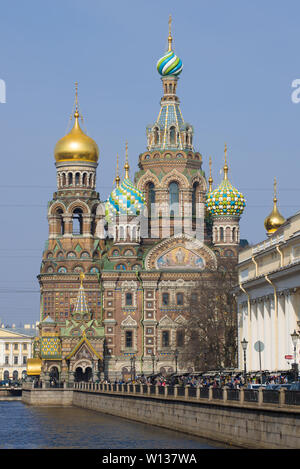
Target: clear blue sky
x=239, y=59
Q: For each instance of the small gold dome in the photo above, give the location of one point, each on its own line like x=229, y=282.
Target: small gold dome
x=76, y=145
x=274, y=220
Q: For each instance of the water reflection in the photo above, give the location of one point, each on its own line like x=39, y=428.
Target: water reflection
x=27, y=427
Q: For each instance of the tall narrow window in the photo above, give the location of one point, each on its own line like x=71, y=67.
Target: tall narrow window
x=156, y=137
x=60, y=221
x=172, y=136
x=180, y=337
x=128, y=339
x=221, y=234
x=128, y=299
x=77, y=222
x=174, y=198
x=70, y=179
x=194, y=199
x=165, y=299
x=179, y=299
x=77, y=179
x=165, y=338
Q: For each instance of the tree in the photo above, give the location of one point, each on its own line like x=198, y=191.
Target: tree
x=211, y=320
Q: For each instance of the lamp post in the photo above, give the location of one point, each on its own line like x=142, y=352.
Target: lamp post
x=153, y=361
x=244, y=346
x=176, y=353
x=295, y=337
x=131, y=367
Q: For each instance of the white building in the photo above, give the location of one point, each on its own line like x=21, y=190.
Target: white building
x=268, y=295
x=16, y=346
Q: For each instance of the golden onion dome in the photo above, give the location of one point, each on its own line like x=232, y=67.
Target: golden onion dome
x=275, y=219
x=76, y=145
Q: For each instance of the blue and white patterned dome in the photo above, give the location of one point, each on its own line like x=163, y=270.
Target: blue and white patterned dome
x=126, y=199
x=225, y=200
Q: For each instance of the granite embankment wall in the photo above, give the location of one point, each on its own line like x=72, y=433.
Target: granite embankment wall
x=8, y=394
x=47, y=397
x=239, y=423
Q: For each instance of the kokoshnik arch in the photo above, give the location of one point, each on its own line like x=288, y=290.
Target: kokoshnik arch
x=138, y=255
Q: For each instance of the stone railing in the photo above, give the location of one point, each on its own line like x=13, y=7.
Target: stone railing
x=225, y=395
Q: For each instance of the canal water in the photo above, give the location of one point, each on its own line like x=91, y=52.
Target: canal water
x=28, y=427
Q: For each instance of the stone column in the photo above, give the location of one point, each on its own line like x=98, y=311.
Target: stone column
x=225, y=393
x=282, y=346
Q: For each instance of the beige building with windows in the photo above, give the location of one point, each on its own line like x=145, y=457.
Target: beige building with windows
x=16, y=346
x=268, y=295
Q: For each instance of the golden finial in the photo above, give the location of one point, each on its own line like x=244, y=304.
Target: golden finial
x=126, y=166
x=117, y=178
x=170, y=35
x=210, y=179
x=225, y=168
x=76, y=114
x=275, y=190
x=82, y=277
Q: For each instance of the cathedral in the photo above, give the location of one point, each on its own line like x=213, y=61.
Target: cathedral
x=117, y=275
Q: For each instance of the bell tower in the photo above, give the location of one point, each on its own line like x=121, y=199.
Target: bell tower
x=72, y=246
x=171, y=175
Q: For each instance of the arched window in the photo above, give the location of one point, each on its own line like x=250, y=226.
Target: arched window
x=174, y=198
x=156, y=136
x=195, y=199
x=60, y=221
x=234, y=237
x=84, y=179
x=180, y=337
x=93, y=222
x=150, y=196
x=70, y=179
x=64, y=181
x=77, y=222
x=172, y=135
x=77, y=179
x=221, y=234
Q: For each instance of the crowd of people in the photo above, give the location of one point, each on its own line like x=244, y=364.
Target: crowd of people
x=216, y=380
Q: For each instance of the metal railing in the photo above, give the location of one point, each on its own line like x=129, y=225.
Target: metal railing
x=250, y=395
x=279, y=398
x=270, y=396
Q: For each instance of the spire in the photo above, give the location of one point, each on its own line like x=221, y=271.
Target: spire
x=210, y=179
x=117, y=178
x=126, y=166
x=170, y=35
x=81, y=303
x=275, y=191
x=225, y=167
x=76, y=114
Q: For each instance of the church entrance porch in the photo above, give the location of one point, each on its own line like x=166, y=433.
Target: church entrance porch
x=83, y=375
